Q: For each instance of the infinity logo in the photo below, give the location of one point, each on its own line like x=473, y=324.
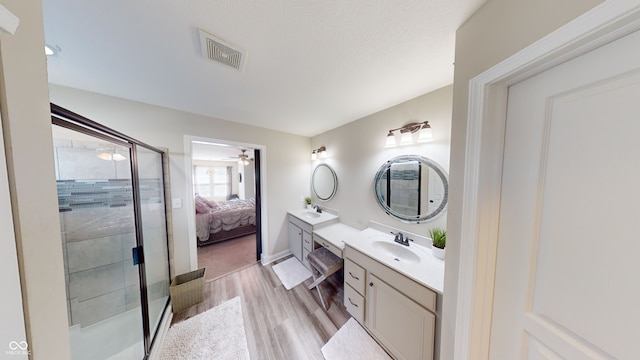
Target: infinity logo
x=22, y=345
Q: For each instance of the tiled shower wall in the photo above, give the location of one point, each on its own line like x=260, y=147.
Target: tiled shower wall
x=98, y=232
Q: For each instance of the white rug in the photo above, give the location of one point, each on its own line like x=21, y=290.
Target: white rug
x=291, y=272
x=217, y=333
x=352, y=342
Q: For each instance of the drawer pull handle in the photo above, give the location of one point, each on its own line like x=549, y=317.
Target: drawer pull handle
x=325, y=244
x=353, y=276
x=352, y=302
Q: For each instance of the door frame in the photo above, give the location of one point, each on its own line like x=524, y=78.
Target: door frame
x=189, y=200
x=486, y=121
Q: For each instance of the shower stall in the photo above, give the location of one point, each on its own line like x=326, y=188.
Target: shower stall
x=111, y=198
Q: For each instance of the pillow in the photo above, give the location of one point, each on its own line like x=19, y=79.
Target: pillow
x=201, y=207
x=210, y=203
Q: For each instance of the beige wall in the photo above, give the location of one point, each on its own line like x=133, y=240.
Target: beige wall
x=498, y=30
x=287, y=177
x=27, y=135
x=356, y=151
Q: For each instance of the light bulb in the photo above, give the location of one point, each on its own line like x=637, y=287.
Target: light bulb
x=425, y=134
x=406, y=138
x=391, y=140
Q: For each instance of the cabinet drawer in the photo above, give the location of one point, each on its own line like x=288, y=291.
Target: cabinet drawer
x=354, y=303
x=305, y=262
x=334, y=249
x=307, y=243
x=354, y=275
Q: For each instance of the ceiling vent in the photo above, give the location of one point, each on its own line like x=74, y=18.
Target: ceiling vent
x=220, y=51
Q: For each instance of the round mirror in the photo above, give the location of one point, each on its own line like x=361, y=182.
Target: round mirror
x=324, y=182
x=411, y=188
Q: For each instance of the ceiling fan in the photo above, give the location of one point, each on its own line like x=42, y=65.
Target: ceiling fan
x=244, y=158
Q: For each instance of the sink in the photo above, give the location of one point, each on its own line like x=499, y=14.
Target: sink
x=312, y=214
x=398, y=252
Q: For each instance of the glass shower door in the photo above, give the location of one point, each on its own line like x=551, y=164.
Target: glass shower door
x=154, y=233
x=97, y=217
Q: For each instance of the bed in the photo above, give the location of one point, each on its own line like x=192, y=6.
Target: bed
x=223, y=220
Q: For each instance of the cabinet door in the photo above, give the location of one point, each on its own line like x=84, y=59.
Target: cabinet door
x=307, y=247
x=400, y=324
x=295, y=241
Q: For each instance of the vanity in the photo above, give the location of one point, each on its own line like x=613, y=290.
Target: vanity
x=395, y=291
x=301, y=223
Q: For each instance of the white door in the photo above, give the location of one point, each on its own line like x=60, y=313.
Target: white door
x=568, y=264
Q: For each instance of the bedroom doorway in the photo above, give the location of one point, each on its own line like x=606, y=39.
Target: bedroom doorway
x=227, y=202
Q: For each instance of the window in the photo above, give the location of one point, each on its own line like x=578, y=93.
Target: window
x=213, y=182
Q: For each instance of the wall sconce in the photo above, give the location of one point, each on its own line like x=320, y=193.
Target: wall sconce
x=320, y=152
x=406, y=134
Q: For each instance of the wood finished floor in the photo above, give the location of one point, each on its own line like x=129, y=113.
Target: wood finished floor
x=279, y=323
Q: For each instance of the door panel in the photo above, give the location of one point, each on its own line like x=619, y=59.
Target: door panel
x=400, y=324
x=567, y=248
x=295, y=241
x=95, y=201
x=154, y=233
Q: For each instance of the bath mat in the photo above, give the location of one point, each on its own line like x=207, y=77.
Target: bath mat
x=291, y=272
x=352, y=342
x=217, y=333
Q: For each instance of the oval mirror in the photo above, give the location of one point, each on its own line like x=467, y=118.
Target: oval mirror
x=412, y=188
x=324, y=182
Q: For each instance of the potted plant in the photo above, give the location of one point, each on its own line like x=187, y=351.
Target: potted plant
x=307, y=200
x=439, y=241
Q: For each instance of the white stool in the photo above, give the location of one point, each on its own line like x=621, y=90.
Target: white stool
x=323, y=263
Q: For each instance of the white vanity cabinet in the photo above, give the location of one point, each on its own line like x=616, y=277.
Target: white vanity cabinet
x=300, y=239
x=398, y=311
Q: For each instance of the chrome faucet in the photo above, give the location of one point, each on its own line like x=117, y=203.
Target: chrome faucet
x=401, y=239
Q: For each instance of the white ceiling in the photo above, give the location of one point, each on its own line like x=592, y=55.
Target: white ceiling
x=311, y=65
x=217, y=152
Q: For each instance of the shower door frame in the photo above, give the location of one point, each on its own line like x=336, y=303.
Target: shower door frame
x=72, y=121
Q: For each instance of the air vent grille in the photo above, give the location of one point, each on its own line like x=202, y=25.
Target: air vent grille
x=220, y=51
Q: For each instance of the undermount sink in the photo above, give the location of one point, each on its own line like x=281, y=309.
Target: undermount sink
x=312, y=214
x=398, y=252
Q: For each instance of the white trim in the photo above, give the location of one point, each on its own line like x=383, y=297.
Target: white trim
x=483, y=161
x=268, y=259
x=8, y=21
x=161, y=333
x=189, y=201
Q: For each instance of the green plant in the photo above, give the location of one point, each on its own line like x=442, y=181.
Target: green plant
x=307, y=200
x=439, y=237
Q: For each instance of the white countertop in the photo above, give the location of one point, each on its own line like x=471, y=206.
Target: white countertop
x=337, y=233
x=428, y=272
x=313, y=221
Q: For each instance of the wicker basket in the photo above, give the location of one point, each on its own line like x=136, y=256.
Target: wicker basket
x=187, y=289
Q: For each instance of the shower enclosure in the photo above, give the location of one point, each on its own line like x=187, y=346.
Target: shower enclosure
x=111, y=196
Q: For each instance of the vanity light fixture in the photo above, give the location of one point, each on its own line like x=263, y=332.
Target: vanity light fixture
x=320, y=152
x=406, y=134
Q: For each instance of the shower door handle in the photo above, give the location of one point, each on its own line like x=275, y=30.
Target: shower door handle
x=137, y=255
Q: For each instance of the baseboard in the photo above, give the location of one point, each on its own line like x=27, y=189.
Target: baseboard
x=162, y=332
x=268, y=259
